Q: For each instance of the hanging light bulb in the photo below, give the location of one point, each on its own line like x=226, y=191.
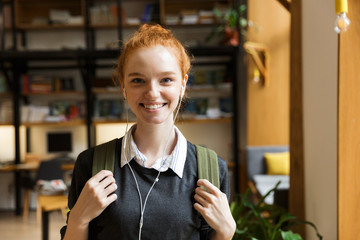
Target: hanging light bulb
x=342, y=22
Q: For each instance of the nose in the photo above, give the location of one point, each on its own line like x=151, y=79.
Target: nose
x=152, y=90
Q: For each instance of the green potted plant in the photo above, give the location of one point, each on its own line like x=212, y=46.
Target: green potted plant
x=229, y=19
x=260, y=221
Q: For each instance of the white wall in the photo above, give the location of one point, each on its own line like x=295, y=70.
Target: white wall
x=320, y=116
x=39, y=143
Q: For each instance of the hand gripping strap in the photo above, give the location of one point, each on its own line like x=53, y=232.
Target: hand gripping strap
x=208, y=167
x=104, y=157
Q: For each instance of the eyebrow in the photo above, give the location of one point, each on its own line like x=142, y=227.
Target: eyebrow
x=135, y=74
x=168, y=73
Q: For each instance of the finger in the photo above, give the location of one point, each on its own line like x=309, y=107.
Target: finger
x=198, y=207
x=101, y=175
x=106, y=201
x=110, y=189
x=106, y=182
x=112, y=197
x=201, y=200
x=207, y=196
x=208, y=186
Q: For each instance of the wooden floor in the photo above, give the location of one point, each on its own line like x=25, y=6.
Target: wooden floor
x=13, y=227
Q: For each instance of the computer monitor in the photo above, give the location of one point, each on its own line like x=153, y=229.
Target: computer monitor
x=59, y=143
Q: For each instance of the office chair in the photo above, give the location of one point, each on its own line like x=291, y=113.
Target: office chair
x=48, y=170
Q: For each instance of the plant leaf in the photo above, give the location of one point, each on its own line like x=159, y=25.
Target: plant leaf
x=289, y=235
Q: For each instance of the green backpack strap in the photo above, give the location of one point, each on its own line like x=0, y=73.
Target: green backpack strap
x=104, y=157
x=208, y=167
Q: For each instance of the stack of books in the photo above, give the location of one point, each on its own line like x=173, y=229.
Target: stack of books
x=189, y=17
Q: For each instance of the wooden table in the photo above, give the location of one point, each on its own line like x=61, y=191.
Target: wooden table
x=31, y=167
x=49, y=203
x=26, y=167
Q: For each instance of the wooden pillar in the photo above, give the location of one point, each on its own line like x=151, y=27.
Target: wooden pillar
x=349, y=128
x=296, y=195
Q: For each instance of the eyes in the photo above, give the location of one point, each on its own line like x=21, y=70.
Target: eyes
x=166, y=80
x=141, y=80
x=137, y=80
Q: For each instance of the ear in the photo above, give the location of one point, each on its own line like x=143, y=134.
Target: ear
x=185, y=80
x=183, y=85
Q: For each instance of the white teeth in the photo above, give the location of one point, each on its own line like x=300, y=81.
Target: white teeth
x=152, y=107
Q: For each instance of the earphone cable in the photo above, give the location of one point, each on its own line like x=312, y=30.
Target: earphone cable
x=142, y=206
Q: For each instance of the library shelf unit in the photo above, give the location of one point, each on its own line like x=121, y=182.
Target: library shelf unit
x=27, y=19
x=71, y=123
x=6, y=124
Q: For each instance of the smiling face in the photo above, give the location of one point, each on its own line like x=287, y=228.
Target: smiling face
x=153, y=84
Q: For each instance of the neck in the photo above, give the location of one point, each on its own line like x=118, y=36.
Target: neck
x=155, y=140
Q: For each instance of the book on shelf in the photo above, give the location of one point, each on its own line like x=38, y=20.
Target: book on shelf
x=206, y=16
x=172, y=19
x=207, y=78
x=67, y=110
x=108, y=109
x=147, y=14
x=59, y=16
x=151, y=13
x=38, y=83
x=189, y=16
x=105, y=14
x=66, y=84
x=7, y=16
x=33, y=113
x=56, y=111
x=210, y=108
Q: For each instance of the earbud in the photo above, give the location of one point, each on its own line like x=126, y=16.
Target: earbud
x=124, y=93
x=182, y=92
x=183, y=87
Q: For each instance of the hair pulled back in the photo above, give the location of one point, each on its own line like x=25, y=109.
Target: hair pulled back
x=150, y=36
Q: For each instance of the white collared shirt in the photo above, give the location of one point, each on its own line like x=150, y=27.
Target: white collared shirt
x=175, y=161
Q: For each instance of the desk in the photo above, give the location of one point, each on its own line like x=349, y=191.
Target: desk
x=35, y=166
x=17, y=169
x=22, y=167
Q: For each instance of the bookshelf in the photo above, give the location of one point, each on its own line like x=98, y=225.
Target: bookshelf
x=72, y=123
x=95, y=54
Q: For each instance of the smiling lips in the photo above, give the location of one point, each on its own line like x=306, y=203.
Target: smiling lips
x=153, y=106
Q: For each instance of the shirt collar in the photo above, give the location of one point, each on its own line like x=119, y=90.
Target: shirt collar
x=175, y=161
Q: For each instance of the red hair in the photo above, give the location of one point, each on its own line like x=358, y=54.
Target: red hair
x=149, y=36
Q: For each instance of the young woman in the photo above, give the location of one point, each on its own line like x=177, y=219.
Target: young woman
x=154, y=192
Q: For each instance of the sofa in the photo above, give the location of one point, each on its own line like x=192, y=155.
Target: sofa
x=257, y=174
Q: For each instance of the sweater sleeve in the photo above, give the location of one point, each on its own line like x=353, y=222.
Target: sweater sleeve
x=81, y=174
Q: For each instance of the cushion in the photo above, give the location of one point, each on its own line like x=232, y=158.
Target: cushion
x=255, y=162
x=277, y=163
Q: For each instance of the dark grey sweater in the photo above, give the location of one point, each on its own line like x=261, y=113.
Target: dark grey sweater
x=169, y=213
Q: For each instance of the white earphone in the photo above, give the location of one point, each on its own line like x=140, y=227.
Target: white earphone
x=126, y=150
x=182, y=92
x=124, y=93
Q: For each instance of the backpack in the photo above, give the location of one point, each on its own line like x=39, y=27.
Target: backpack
x=207, y=160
